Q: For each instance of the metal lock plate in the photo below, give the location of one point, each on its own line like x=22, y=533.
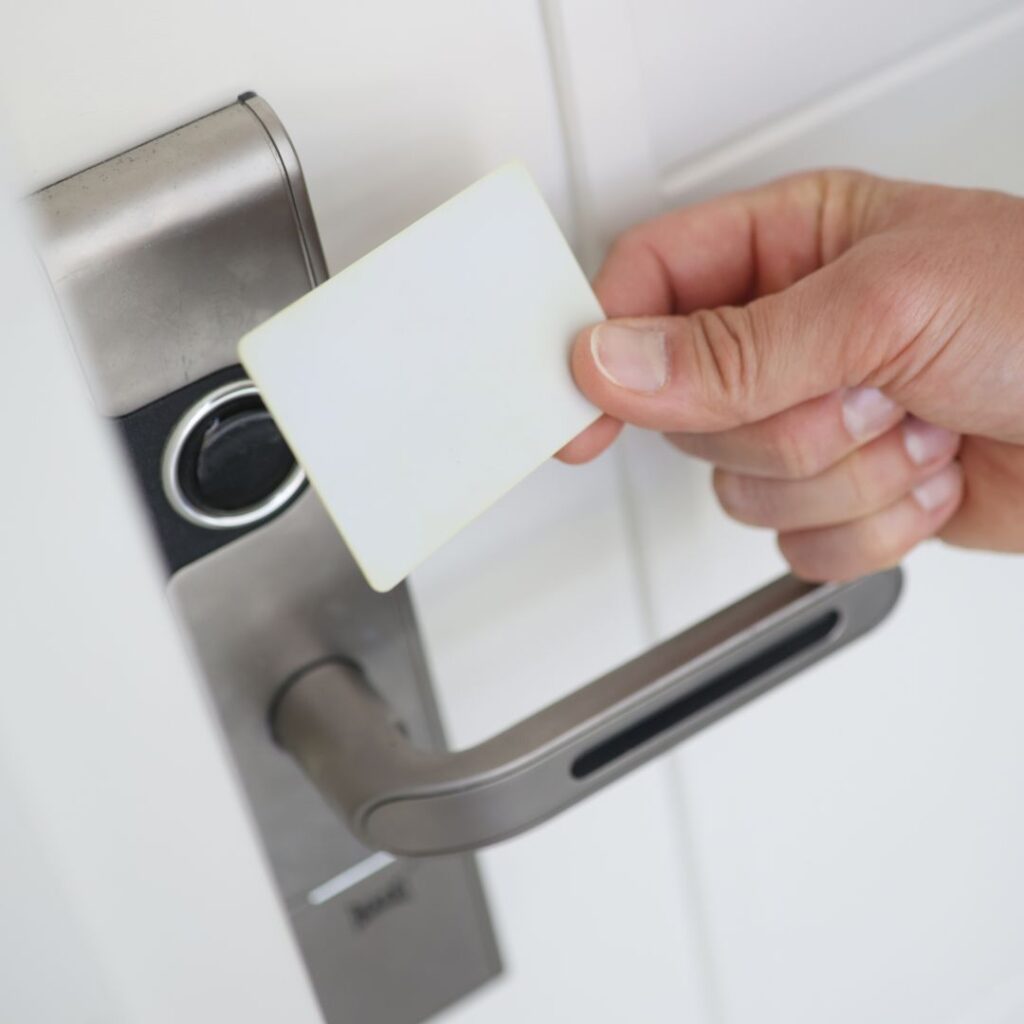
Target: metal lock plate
x=162, y=257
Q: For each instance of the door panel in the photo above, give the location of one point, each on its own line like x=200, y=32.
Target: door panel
x=713, y=72
x=856, y=839
x=393, y=106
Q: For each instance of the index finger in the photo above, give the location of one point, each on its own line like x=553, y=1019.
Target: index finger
x=734, y=248
x=727, y=251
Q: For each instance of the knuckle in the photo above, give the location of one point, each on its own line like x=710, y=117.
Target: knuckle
x=724, y=485
x=878, y=544
x=724, y=356
x=738, y=495
x=804, y=559
x=847, y=179
x=797, y=452
x=625, y=244
x=862, y=483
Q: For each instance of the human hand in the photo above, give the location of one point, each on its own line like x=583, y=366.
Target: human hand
x=847, y=350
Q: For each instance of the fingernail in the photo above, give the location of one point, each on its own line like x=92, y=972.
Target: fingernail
x=867, y=412
x=926, y=442
x=939, y=490
x=631, y=357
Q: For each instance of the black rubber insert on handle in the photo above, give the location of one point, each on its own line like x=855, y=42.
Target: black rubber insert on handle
x=715, y=689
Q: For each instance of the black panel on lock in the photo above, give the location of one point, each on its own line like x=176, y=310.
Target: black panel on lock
x=231, y=460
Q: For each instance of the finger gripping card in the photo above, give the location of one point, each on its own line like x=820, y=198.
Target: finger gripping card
x=424, y=381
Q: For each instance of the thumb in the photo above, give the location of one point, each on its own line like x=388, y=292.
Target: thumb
x=720, y=368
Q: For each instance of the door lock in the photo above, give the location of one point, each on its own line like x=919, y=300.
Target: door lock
x=162, y=258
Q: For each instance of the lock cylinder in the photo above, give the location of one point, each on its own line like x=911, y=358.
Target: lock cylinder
x=225, y=464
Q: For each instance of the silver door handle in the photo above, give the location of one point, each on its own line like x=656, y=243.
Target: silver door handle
x=401, y=798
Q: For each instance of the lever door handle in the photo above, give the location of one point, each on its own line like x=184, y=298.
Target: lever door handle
x=398, y=797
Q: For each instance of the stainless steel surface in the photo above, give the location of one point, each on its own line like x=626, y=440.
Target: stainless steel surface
x=408, y=939
x=284, y=595
x=216, y=399
x=293, y=179
x=164, y=256
x=399, y=795
x=419, y=930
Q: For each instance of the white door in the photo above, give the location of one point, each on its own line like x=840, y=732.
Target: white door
x=842, y=851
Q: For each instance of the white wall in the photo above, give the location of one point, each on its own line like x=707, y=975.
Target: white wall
x=133, y=887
